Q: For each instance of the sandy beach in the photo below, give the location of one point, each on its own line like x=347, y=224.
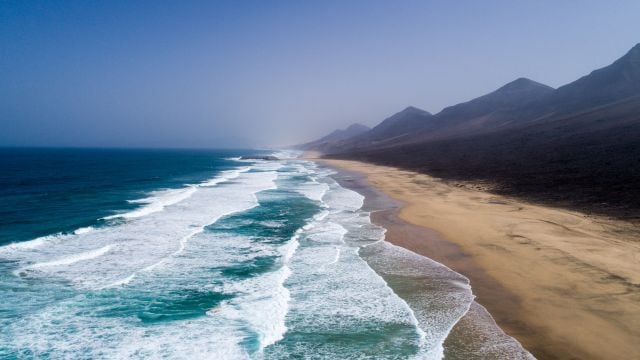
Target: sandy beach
x=566, y=285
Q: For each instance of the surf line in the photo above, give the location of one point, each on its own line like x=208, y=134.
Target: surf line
x=71, y=259
x=422, y=335
x=281, y=328
x=183, y=242
x=182, y=245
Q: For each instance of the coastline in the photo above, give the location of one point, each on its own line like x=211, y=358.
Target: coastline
x=476, y=334
x=548, y=277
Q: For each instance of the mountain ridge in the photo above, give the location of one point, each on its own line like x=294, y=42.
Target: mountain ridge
x=326, y=141
x=575, y=146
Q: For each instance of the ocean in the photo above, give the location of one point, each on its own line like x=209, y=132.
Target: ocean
x=196, y=254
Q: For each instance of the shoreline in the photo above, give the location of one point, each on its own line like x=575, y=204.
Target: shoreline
x=562, y=313
x=384, y=212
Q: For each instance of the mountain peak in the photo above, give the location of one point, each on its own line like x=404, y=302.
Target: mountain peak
x=413, y=110
x=409, y=120
x=614, y=82
x=632, y=55
x=523, y=83
x=337, y=135
x=357, y=127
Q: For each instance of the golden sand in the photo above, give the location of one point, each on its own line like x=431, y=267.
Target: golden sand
x=572, y=281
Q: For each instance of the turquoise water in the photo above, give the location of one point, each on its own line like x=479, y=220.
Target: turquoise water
x=182, y=254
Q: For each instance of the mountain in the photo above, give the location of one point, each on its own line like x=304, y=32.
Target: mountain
x=351, y=131
x=514, y=95
x=576, y=146
x=501, y=107
x=392, y=129
x=337, y=135
x=615, y=82
x=485, y=113
x=398, y=125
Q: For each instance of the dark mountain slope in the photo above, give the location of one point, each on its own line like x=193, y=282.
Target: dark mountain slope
x=351, y=131
x=589, y=161
x=519, y=101
x=489, y=112
x=391, y=129
x=612, y=83
x=514, y=95
x=399, y=124
x=577, y=146
x=509, y=104
x=335, y=136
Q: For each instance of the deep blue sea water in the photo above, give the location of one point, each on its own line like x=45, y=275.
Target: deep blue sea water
x=44, y=191
x=191, y=254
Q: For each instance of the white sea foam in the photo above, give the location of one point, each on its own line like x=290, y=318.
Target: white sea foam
x=183, y=240
x=27, y=245
x=345, y=229
x=147, y=242
x=335, y=260
x=156, y=202
x=363, y=298
x=287, y=154
x=313, y=190
x=320, y=283
x=120, y=282
x=495, y=344
x=83, y=230
x=449, y=299
x=289, y=249
x=328, y=233
x=316, y=305
x=116, y=255
x=43, y=240
x=225, y=176
x=159, y=200
x=321, y=215
x=72, y=259
x=113, y=338
x=450, y=293
x=341, y=199
x=272, y=224
x=264, y=301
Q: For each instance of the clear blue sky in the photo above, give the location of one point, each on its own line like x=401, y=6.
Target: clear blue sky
x=180, y=73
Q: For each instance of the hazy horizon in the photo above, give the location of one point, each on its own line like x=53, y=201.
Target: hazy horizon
x=244, y=74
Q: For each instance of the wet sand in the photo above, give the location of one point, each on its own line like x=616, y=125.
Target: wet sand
x=565, y=285
x=476, y=335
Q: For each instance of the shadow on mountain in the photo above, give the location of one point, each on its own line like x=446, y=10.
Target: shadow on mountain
x=577, y=146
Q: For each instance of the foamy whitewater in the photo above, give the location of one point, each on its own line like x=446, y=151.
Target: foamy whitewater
x=269, y=260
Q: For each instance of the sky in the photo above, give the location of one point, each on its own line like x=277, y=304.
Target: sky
x=272, y=73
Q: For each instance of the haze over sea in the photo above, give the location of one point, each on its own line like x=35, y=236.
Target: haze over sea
x=197, y=254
